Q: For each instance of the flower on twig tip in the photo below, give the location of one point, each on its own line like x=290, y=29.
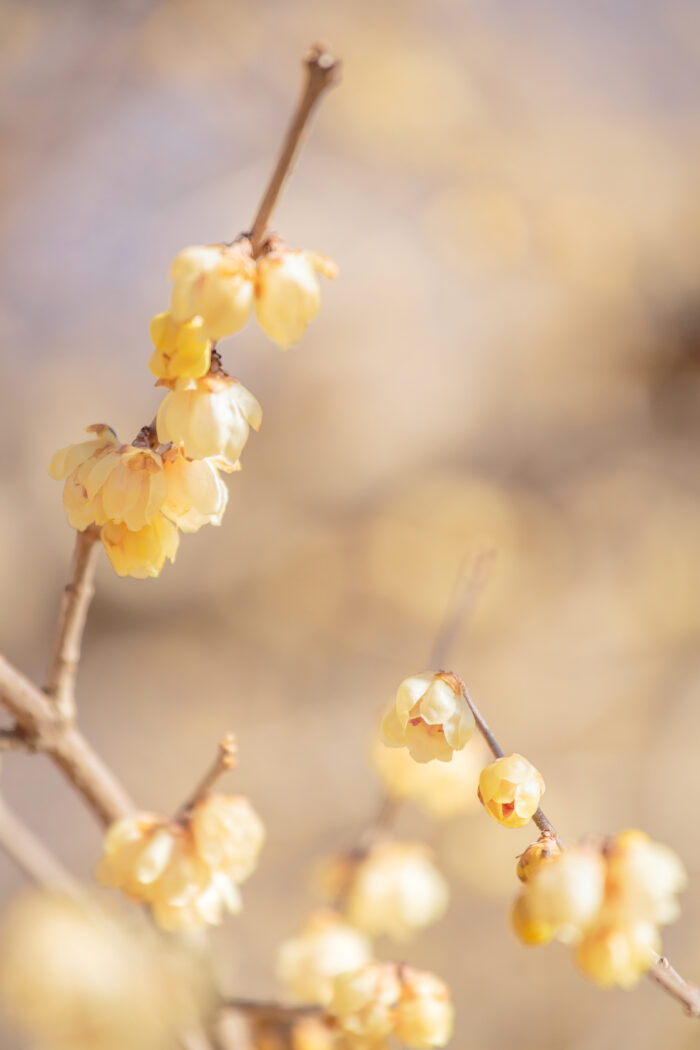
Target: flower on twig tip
x=287, y=292
x=326, y=946
x=209, y=417
x=430, y=717
x=182, y=350
x=510, y=789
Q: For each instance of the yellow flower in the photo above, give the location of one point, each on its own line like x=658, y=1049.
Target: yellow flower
x=363, y=1001
x=228, y=834
x=214, y=282
x=396, y=890
x=430, y=717
x=77, y=463
x=618, y=954
x=538, y=853
x=510, y=789
x=141, y=553
x=327, y=946
x=442, y=789
x=189, y=894
x=182, y=351
x=209, y=417
x=424, y=1014
x=567, y=893
x=287, y=292
x=196, y=494
x=643, y=878
x=530, y=931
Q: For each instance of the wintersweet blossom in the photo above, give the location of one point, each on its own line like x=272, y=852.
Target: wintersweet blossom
x=430, y=717
x=618, y=954
x=196, y=493
x=510, y=789
x=424, y=1013
x=566, y=895
x=75, y=464
x=396, y=890
x=228, y=834
x=536, y=855
x=210, y=417
x=142, y=553
x=326, y=946
x=643, y=878
x=214, y=282
x=182, y=350
x=287, y=292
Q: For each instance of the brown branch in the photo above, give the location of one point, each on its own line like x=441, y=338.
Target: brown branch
x=268, y=1010
x=321, y=71
x=15, y=740
x=663, y=974
x=226, y=758
x=38, y=717
x=32, y=857
x=471, y=580
x=71, y=622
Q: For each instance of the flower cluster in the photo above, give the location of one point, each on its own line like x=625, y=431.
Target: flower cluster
x=430, y=716
x=510, y=789
x=188, y=872
x=606, y=900
x=384, y=999
x=326, y=946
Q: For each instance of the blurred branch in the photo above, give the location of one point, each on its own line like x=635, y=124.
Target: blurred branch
x=321, y=72
x=471, y=580
x=15, y=740
x=31, y=856
x=226, y=758
x=71, y=622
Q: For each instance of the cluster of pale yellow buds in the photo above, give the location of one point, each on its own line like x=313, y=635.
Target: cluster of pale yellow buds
x=510, y=789
x=326, y=947
x=430, y=716
x=187, y=871
x=442, y=789
x=607, y=900
x=385, y=999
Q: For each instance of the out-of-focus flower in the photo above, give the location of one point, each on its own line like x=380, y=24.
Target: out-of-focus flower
x=442, y=789
x=76, y=977
x=424, y=1014
x=209, y=417
x=430, y=717
x=618, y=954
x=566, y=894
x=287, y=292
x=182, y=351
x=396, y=890
x=142, y=553
x=643, y=878
x=196, y=494
x=189, y=879
x=214, y=282
x=313, y=1033
x=383, y=999
x=510, y=789
x=327, y=946
x=530, y=930
x=538, y=853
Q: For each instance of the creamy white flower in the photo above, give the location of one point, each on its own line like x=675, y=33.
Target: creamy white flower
x=566, y=894
x=424, y=1014
x=430, y=717
x=397, y=890
x=327, y=946
x=363, y=1002
x=196, y=493
x=228, y=834
x=214, y=282
x=209, y=417
x=287, y=292
x=643, y=878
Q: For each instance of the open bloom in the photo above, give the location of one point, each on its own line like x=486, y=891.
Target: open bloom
x=643, y=878
x=566, y=894
x=618, y=954
x=397, y=890
x=209, y=417
x=424, y=1013
x=182, y=350
x=196, y=493
x=141, y=553
x=287, y=292
x=327, y=946
x=510, y=789
x=228, y=834
x=430, y=717
x=76, y=464
x=214, y=282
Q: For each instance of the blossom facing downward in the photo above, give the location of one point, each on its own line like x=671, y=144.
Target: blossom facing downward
x=566, y=894
x=643, y=878
x=396, y=890
x=287, y=292
x=182, y=351
x=424, y=1014
x=196, y=493
x=189, y=880
x=209, y=417
x=430, y=717
x=326, y=947
x=142, y=553
x=76, y=464
x=510, y=789
x=618, y=955
x=215, y=283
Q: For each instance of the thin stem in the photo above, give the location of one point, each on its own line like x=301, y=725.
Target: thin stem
x=32, y=857
x=76, y=599
x=471, y=579
x=226, y=758
x=268, y=1010
x=663, y=974
x=321, y=71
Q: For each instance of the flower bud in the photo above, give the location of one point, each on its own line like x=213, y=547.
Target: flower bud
x=643, y=878
x=510, y=789
x=430, y=717
x=529, y=930
x=567, y=893
x=209, y=417
x=327, y=946
x=228, y=834
x=287, y=293
x=396, y=890
x=424, y=1014
x=363, y=1002
x=196, y=494
x=618, y=955
x=214, y=282
x=182, y=351
x=536, y=855
x=142, y=553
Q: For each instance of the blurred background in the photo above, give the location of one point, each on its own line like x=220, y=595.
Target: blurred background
x=509, y=361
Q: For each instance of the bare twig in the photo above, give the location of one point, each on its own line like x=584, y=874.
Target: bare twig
x=321, y=71
x=15, y=740
x=37, y=716
x=471, y=579
x=663, y=974
x=226, y=758
x=31, y=856
x=71, y=622
x=268, y=1010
